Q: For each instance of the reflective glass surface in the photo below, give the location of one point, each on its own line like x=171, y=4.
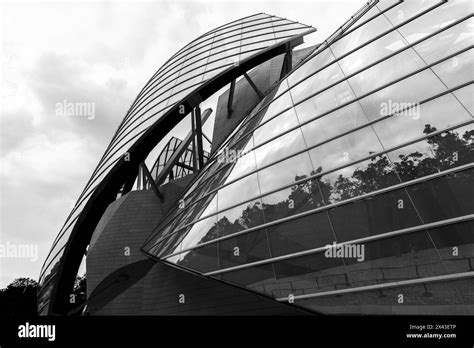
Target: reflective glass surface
x=370, y=139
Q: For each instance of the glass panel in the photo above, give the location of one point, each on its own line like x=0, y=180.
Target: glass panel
x=246, y=248
x=256, y=32
x=311, y=274
x=51, y=267
x=402, y=95
x=383, y=5
x=158, y=234
x=204, y=207
x=435, y=19
x=403, y=257
x=240, y=218
x=222, y=52
x=316, y=63
x=358, y=179
x=44, y=297
x=456, y=70
x=210, y=74
x=269, y=38
x=444, y=198
x=242, y=164
x=437, y=114
x=385, y=72
x=277, y=105
x=464, y=289
x=464, y=95
x=292, y=200
x=250, y=27
x=441, y=152
x=169, y=245
x=203, y=259
x=447, y=42
x=188, y=83
x=324, y=102
x=408, y=9
x=179, y=93
x=360, y=35
x=459, y=238
x=238, y=191
x=276, y=126
x=285, y=145
x=303, y=233
x=342, y=151
x=378, y=49
x=333, y=124
x=383, y=213
x=285, y=172
x=60, y=244
x=261, y=279
x=418, y=297
x=191, y=70
x=286, y=32
x=201, y=232
x=424, y=298
x=317, y=82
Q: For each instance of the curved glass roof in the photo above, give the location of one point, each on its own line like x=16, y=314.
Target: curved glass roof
x=191, y=67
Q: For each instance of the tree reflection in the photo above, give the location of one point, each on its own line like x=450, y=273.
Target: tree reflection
x=437, y=153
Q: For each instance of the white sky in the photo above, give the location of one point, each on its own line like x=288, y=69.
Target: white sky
x=100, y=52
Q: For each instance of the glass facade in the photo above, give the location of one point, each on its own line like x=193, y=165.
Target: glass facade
x=368, y=144
x=194, y=65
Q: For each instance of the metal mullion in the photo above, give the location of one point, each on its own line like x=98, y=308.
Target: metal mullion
x=52, y=259
x=382, y=286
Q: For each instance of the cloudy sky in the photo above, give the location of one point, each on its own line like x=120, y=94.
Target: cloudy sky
x=99, y=52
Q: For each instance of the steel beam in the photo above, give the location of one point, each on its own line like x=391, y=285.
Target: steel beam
x=231, y=99
x=174, y=159
x=200, y=152
x=254, y=86
x=151, y=181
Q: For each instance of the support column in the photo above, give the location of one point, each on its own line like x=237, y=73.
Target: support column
x=200, y=152
x=231, y=99
x=151, y=181
x=193, y=131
